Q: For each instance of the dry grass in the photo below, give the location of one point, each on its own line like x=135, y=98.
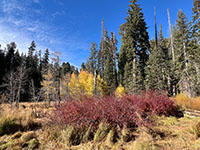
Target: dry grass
x=186, y=102
x=167, y=133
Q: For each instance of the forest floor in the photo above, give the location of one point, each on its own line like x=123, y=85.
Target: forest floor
x=29, y=128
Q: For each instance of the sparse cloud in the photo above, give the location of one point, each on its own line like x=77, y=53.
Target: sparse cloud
x=36, y=1
x=22, y=23
x=11, y=6
x=22, y=39
x=58, y=13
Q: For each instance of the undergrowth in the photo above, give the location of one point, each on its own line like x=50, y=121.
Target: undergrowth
x=128, y=111
x=186, y=102
x=104, y=115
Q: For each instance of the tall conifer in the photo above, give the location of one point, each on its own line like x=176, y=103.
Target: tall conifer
x=134, y=49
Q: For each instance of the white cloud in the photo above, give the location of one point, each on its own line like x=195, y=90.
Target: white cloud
x=36, y=1
x=21, y=28
x=22, y=40
x=11, y=6
x=58, y=13
x=19, y=24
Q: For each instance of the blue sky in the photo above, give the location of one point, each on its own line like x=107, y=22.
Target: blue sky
x=69, y=26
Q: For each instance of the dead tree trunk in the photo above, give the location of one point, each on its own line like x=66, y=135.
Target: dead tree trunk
x=95, y=82
x=172, y=52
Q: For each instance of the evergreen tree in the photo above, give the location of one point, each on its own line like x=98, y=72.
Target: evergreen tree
x=182, y=41
x=195, y=46
x=109, y=61
x=92, y=60
x=157, y=67
x=66, y=68
x=100, y=57
x=2, y=66
x=83, y=67
x=17, y=60
x=109, y=74
x=32, y=66
x=113, y=49
x=10, y=56
x=45, y=62
x=134, y=49
x=103, y=52
x=32, y=48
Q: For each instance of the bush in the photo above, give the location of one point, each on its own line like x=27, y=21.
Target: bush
x=120, y=91
x=9, y=125
x=129, y=111
x=186, y=102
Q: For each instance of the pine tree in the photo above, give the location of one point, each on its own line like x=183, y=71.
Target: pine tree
x=113, y=49
x=100, y=57
x=195, y=46
x=10, y=56
x=109, y=61
x=181, y=44
x=17, y=60
x=2, y=66
x=134, y=49
x=109, y=74
x=66, y=68
x=45, y=62
x=157, y=67
x=83, y=67
x=92, y=60
x=32, y=67
x=103, y=52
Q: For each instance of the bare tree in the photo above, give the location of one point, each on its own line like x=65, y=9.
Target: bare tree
x=20, y=81
x=11, y=87
x=56, y=75
x=14, y=85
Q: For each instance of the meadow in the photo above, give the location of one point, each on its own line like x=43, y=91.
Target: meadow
x=132, y=122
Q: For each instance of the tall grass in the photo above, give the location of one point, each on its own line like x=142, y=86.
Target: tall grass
x=186, y=102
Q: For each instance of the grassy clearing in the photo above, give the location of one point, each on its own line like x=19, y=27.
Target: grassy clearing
x=35, y=132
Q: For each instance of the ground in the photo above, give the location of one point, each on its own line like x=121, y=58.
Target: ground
x=29, y=127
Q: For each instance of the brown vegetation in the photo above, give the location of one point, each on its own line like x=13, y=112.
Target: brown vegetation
x=31, y=129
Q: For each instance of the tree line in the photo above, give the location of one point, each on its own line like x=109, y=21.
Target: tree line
x=169, y=64
x=164, y=64
x=22, y=75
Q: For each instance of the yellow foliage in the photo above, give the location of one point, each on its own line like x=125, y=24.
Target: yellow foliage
x=86, y=83
x=83, y=84
x=120, y=91
x=102, y=88
x=73, y=84
x=47, y=84
x=64, y=90
x=182, y=99
x=189, y=103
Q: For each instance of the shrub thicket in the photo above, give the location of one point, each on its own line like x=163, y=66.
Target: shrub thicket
x=129, y=111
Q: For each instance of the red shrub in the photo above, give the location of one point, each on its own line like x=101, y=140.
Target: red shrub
x=130, y=110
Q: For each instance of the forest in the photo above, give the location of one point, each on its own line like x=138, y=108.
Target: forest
x=134, y=97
